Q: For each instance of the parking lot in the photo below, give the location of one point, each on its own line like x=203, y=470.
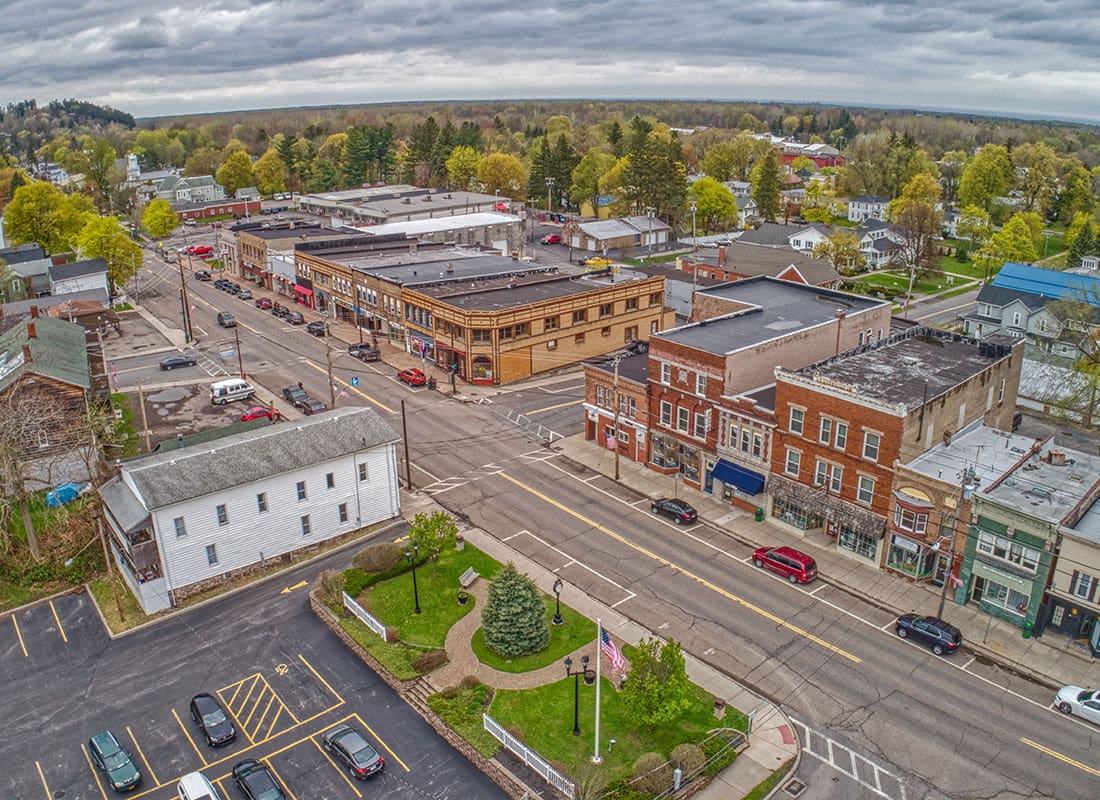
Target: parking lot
x=283, y=683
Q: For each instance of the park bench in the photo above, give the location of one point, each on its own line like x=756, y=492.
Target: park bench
x=467, y=578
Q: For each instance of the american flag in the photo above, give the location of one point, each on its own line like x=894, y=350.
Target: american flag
x=611, y=651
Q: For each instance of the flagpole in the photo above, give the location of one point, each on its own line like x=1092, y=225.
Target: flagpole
x=596, y=759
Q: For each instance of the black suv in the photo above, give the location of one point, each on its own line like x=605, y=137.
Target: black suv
x=317, y=328
x=256, y=781
x=364, y=351
x=216, y=726
x=937, y=634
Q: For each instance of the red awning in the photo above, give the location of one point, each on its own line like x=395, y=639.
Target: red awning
x=303, y=290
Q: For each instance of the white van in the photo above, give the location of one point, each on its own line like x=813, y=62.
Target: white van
x=196, y=786
x=229, y=390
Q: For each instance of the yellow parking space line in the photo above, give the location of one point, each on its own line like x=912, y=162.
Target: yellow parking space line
x=232, y=700
x=278, y=713
x=337, y=766
x=256, y=703
x=95, y=773
x=552, y=408
x=285, y=786
x=60, y=627
x=382, y=742
x=270, y=703
x=248, y=694
x=19, y=635
x=1061, y=757
x=686, y=573
x=42, y=777
x=141, y=753
x=317, y=675
x=351, y=388
x=189, y=739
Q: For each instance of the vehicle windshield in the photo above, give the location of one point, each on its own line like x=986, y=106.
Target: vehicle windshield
x=116, y=760
x=214, y=717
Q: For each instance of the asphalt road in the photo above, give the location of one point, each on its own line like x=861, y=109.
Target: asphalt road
x=283, y=677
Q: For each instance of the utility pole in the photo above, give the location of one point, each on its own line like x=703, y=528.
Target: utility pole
x=240, y=361
x=144, y=419
x=694, y=239
x=188, y=336
x=331, y=385
x=110, y=568
x=549, y=188
x=966, y=491
x=405, y=436
x=618, y=406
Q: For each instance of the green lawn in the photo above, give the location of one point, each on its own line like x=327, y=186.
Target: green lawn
x=574, y=632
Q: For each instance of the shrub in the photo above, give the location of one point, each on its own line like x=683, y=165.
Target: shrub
x=393, y=635
x=652, y=773
x=40, y=573
x=432, y=660
x=514, y=619
x=377, y=557
x=355, y=581
x=330, y=584
x=433, y=533
x=688, y=757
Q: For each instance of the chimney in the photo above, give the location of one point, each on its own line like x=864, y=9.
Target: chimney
x=31, y=332
x=34, y=312
x=721, y=255
x=27, y=354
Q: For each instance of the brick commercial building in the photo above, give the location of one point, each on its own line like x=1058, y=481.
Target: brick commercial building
x=252, y=242
x=616, y=401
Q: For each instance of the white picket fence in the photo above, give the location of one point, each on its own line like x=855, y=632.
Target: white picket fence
x=365, y=616
x=529, y=756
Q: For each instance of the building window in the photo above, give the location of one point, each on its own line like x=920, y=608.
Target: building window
x=550, y=324
x=632, y=304
x=870, y=445
x=1016, y=319
x=211, y=554
x=628, y=406
x=757, y=445
x=683, y=418
x=261, y=502
x=1083, y=585
x=666, y=373
x=181, y=528
x=1008, y=550
x=798, y=417
x=301, y=490
x=43, y=438
x=363, y=473
x=630, y=333
x=656, y=299
x=794, y=460
x=606, y=309
x=841, y=435
x=700, y=425
x=995, y=594
x=821, y=471
x=865, y=490
x=343, y=509
x=305, y=525
x=330, y=480
x=605, y=331
x=909, y=520
x=552, y=344
x=825, y=434
x=836, y=479
x=700, y=384
x=482, y=335
x=859, y=543
x=1001, y=392
x=223, y=515
x=580, y=315
x=578, y=339
x=666, y=414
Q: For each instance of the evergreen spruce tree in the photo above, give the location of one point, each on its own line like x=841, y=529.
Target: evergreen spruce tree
x=1083, y=244
x=514, y=619
x=765, y=186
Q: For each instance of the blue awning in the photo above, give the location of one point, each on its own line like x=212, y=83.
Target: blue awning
x=744, y=479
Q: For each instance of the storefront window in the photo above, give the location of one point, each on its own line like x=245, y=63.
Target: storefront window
x=795, y=515
x=665, y=451
x=910, y=557
x=483, y=369
x=689, y=463
x=995, y=594
x=859, y=543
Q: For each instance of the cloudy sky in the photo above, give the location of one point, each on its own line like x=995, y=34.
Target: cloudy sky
x=154, y=57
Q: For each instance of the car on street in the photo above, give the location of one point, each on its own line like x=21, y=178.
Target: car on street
x=245, y=294
x=677, y=510
x=598, y=261
x=233, y=287
x=364, y=351
x=941, y=636
x=200, y=249
x=350, y=748
x=279, y=310
x=294, y=317
x=264, y=303
x=221, y=283
x=551, y=238
x=317, y=328
x=256, y=781
x=114, y=761
x=413, y=377
x=172, y=362
x=1084, y=703
x=259, y=412
x=794, y=565
x=226, y=319
x=202, y=275
x=292, y=394
x=309, y=405
x=211, y=718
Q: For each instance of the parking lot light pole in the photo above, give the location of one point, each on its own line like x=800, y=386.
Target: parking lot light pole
x=694, y=239
x=411, y=556
x=576, y=689
x=240, y=360
x=549, y=188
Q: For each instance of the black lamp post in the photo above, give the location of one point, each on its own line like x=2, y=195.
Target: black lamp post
x=576, y=689
x=411, y=556
x=557, y=620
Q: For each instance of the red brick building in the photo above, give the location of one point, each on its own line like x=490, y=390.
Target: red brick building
x=616, y=385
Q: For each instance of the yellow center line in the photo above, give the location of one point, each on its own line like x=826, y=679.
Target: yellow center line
x=686, y=573
x=189, y=739
x=42, y=777
x=95, y=772
x=60, y=627
x=351, y=388
x=551, y=408
x=1064, y=758
x=19, y=635
x=141, y=753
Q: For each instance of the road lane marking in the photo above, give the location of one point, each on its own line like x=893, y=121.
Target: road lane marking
x=854, y=761
x=19, y=635
x=570, y=561
x=187, y=736
x=60, y=627
x=1061, y=757
x=350, y=388
x=552, y=408
x=944, y=311
x=382, y=742
x=686, y=573
x=95, y=772
x=42, y=777
x=141, y=753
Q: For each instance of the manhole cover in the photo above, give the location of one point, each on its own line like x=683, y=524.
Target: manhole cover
x=59, y=794
x=795, y=788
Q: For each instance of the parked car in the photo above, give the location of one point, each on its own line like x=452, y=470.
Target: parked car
x=226, y=319
x=677, y=510
x=177, y=361
x=413, y=377
x=256, y=781
x=1080, y=702
x=114, y=761
x=264, y=303
x=293, y=394
x=294, y=317
x=245, y=294
x=221, y=283
x=309, y=405
x=794, y=565
x=202, y=275
x=598, y=261
x=351, y=748
x=551, y=238
x=364, y=351
x=941, y=636
x=233, y=287
x=200, y=249
x=211, y=718
x=317, y=328
x=279, y=310
x=258, y=412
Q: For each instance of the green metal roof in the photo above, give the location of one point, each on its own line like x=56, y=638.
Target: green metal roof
x=58, y=351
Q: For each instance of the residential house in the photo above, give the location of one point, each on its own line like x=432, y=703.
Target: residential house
x=739, y=188
x=247, y=193
x=1071, y=607
x=183, y=521
x=748, y=211
x=195, y=189
x=29, y=269
x=771, y=234
x=79, y=276
x=870, y=206
x=737, y=261
x=881, y=243
x=620, y=237
x=810, y=237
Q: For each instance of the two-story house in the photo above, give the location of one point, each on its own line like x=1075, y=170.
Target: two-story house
x=869, y=206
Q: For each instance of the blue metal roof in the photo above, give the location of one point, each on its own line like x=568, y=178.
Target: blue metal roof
x=1048, y=283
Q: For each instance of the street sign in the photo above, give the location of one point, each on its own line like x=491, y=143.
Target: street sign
x=227, y=353
x=354, y=380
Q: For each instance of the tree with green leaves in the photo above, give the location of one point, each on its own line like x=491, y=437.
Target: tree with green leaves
x=433, y=533
x=975, y=225
x=1083, y=244
x=765, y=186
x=204, y=161
x=841, y=249
x=286, y=150
x=1036, y=169
x=584, y=184
x=504, y=174
x=236, y=172
x=715, y=208
x=657, y=689
x=1012, y=242
x=615, y=139
x=987, y=176
x=951, y=166
x=104, y=237
x=40, y=212
x=462, y=167
x=159, y=219
x=514, y=620
x=1076, y=195
x=721, y=161
x=654, y=174
x=917, y=212
x=269, y=172
x=97, y=161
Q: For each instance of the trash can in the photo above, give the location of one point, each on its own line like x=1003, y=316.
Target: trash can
x=1027, y=629
x=759, y=516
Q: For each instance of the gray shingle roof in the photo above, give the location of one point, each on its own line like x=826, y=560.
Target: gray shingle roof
x=78, y=269
x=771, y=234
x=163, y=479
x=1001, y=297
x=58, y=351
x=123, y=504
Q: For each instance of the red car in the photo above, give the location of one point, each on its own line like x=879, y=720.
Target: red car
x=413, y=377
x=200, y=249
x=263, y=302
x=256, y=412
x=551, y=238
x=794, y=565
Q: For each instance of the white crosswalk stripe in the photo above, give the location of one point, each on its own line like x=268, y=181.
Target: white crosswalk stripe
x=847, y=761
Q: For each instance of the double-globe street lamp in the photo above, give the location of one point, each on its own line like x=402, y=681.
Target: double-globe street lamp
x=411, y=556
x=589, y=678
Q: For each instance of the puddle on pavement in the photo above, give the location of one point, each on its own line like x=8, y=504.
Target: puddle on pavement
x=169, y=395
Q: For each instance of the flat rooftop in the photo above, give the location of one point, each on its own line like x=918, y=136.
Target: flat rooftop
x=633, y=362
x=1049, y=491
x=779, y=308
x=415, y=227
x=989, y=451
x=509, y=292
x=436, y=266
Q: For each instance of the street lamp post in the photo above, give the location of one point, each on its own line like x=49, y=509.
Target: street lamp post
x=549, y=188
x=650, y=212
x=576, y=689
x=694, y=239
x=557, y=620
x=411, y=556
x=240, y=360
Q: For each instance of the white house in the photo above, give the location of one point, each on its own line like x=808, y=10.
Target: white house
x=806, y=239
x=79, y=276
x=194, y=189
x=869, y=206
x=183, y=520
